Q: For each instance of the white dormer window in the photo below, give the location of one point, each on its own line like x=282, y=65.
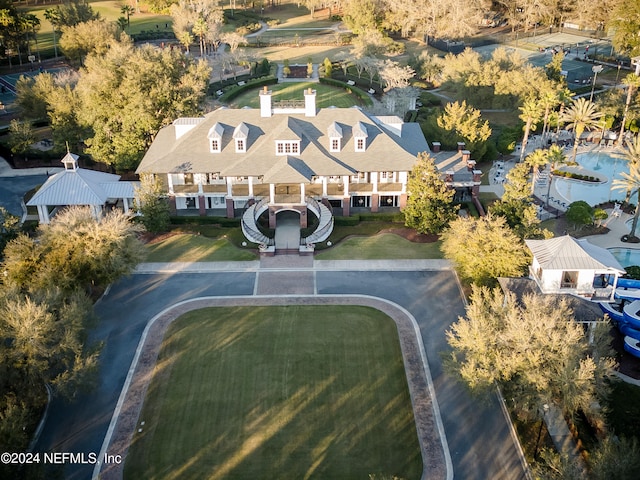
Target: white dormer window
x=287, y=147
x=335, y=137
x=240, y=135
x=215, y=138
x=360, y=135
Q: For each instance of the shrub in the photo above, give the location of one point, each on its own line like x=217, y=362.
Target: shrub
x=222, y=221
x=328, y=67
x=236, y=90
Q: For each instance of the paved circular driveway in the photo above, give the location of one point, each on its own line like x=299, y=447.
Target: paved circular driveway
x=479, y=437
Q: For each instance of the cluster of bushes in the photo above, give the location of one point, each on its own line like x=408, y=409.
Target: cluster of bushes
x=575, y=176
x=361, y=94
x=146, y=35
x=236, y=90
x=580, y=213
x=248, y=28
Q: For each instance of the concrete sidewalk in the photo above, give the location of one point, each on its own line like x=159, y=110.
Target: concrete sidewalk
x=284, y=262
x=7, y=171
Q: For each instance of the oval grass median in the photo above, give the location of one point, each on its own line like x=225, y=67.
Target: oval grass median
x=262, y=392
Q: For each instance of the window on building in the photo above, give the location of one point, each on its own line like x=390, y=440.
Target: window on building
x=191, y=202
x=286, y=148
x=188, y=178
x=335, y=145
x=240, y=145
x=388, y=201
x=359, y=144
x=215, y=145
x=569, y=279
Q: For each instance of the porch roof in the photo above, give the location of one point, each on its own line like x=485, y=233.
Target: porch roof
x=567, y=253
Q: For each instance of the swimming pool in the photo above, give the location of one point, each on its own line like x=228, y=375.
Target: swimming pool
x=605, y=164
x=626, y=256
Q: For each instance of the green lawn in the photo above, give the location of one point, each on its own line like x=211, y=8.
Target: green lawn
x=382, y=246
x=196, y=248
x=326, y=95
x=278, y=392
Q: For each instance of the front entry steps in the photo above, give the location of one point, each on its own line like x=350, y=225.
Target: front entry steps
x=306, y=245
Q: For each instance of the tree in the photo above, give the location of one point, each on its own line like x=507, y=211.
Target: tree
x=632, y=81
x=538, y=158
x=361, y=15
x=9, y=228
x=530, y=113
x=580, y=213
x=484, y=249
x=74, y=12
x=393, y=75
x=128, y=94
x=617, y=458
x=429, y=67
x=625, y=23
x=94, y=36
x=73, y=252
x=467, y=125
x=630, y=182
x=152, y=203
x=518, y=184
x=21, y=136
x=580, y=116
x=127, y=11
x=328, y=67
x=522, y=218
x=532, y=348
x=430, y=201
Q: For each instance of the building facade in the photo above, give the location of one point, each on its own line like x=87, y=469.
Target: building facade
x=285, y=155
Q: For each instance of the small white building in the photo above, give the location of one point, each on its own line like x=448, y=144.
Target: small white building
x=79, y=186
x=566, y=265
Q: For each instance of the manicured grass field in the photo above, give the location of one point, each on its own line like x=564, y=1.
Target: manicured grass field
x=382, y=246
x=195, y=248
x=326, y=95
x=278, y=392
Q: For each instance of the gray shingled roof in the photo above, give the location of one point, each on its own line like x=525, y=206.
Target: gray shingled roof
x=191, y=153
x=567, y=253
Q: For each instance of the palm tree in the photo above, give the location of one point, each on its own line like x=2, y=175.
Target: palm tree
x=630, y=182
x=127, y=10
x=555, y=155
x=531, y=111
x=632, y=81
x=536, y=160
x=580, y=116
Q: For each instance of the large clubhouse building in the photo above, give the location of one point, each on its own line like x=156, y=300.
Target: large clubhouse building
x=286, y=155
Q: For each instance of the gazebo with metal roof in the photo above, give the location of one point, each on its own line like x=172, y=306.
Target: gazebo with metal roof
x=79, y=186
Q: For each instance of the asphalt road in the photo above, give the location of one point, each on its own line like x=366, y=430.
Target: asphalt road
x=12, y=190
x=478, y=435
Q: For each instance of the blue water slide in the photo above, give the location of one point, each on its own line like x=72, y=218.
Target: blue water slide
x=615, y=315
x=625, y=282
x=632, y=345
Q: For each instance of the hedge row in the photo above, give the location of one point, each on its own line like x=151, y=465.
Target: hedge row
x=361, y=94
x=236, y=90
x=576, y=176
x=222, y=221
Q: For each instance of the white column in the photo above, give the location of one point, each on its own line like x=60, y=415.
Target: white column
x=200, y=182
x=403, y=179
x=374, y=180
x=302, y=194
x=324, y=186
x=97, y=211
x=43, y=213
x=345, y=180
x=170, y=183
x=229, y=187
x=125, y=204
x=272, y=193
x=250, y=187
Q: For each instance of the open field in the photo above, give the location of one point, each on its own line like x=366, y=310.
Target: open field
x=382, y=246
x=326, y=95
x=316, y=392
